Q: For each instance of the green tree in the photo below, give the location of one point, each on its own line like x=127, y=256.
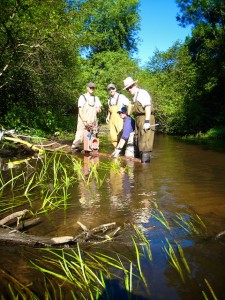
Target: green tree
x=41, y=69
x=109, y=25
x=39, y=61
x=206, y=48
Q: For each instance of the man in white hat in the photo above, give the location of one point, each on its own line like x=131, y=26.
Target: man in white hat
x=115, y=101
x=144, y=118
x=89, y=106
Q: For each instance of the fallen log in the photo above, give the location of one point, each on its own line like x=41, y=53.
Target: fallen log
x=25, y=143
x=15, y=236
x=9, y=135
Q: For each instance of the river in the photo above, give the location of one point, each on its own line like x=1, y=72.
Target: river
x=182, y=179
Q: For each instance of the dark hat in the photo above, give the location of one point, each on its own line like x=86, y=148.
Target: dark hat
x=111, y=85
x=122, y=109
x=91, y=84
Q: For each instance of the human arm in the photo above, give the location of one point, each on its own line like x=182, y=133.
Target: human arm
x=98, y=109
x=108, y=117
x=119, y=147
x=147, y=108
x=128, y=128
x=126, y=102
x=98, y=105
x=147, y=124
x=129, y=108
x=82, y=116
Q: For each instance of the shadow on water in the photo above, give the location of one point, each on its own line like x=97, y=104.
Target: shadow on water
x=114, y=291
x=183, y=180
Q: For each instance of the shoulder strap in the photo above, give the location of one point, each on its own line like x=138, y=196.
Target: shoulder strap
x=110, y=100
x=136, y=96
x=87, y=101
x=117, y=99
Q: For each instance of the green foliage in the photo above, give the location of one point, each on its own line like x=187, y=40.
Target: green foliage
x=49, y=50
x=41, y=69
x=217, y=133
x=109, y=25
x=187, y=81
x=172, y=79
x=206, y=48
x=39, y=61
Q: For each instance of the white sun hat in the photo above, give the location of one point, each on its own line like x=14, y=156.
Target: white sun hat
x=128, y=82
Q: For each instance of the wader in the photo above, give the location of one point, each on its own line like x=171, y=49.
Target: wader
x=143, y=139
x=115, y=124
x=90, y=115
x=130, y=149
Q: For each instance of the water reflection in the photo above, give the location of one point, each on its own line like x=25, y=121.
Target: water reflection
x=181, y=178
x=120, y=183
x=88, y=188
x=90, y=162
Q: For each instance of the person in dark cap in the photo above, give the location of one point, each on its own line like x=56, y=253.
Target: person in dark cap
x=142, y=109
x=115, y=101
x=89, y=106
x=127, y=137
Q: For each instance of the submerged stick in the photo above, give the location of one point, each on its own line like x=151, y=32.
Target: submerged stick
x=220, y=234
x=13, y=216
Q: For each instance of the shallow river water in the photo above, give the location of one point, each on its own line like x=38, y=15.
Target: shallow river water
x=182, y=179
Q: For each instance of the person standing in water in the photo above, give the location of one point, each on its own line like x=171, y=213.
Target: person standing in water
x=89, y=106
x=144, y=118
x=115, y=101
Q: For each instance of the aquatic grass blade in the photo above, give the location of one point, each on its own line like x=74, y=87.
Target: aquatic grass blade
x=138, y=261
x=173, y=259
x=146, y=242
x=181, y=252
x=211, y=290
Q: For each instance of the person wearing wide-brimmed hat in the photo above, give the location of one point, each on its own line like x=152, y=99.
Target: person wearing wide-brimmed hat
x=144, y=118
x=115, y=101
x=89, y=106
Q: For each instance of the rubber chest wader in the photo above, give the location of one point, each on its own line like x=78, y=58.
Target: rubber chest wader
x=89, y=113
x=143, y=139
x=115, y=124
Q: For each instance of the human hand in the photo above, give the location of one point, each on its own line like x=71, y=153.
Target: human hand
x=146, y=126
x=116, y=153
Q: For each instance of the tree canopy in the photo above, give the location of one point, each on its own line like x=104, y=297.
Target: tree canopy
x=49, y=50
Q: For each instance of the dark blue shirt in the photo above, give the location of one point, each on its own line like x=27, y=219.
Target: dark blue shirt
x=128, y=127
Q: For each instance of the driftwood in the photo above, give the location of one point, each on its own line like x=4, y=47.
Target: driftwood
x=9, y=135
x=15, y=236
